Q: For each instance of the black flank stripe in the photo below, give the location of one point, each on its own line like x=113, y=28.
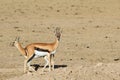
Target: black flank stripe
x=43, y=50
x=31, y=58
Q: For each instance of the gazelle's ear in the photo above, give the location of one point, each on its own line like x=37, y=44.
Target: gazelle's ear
x=18, y=39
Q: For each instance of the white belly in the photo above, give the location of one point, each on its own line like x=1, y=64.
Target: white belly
x=53, y=52
x=40, y=53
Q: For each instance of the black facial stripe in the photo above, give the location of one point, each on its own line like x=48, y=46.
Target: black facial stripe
x=43, y=50
x=31, y=58
x=25, y=51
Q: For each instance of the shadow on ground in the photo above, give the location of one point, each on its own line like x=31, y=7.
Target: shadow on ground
x=37, y=66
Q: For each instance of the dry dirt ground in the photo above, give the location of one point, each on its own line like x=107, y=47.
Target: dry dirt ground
x=90, y=44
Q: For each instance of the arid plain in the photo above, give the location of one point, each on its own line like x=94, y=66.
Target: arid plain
x=90, y=44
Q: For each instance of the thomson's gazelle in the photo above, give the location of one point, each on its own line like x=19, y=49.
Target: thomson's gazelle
x=34, y=50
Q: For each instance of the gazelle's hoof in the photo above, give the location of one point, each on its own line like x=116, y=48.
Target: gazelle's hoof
x=43, y=70
x=25, y=72
x=53, y=69
x=31, y=69
x=49, y=70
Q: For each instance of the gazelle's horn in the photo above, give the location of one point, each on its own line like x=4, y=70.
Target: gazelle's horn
x=16, y=39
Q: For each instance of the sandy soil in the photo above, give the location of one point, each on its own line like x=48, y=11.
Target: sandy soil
x=90, y=42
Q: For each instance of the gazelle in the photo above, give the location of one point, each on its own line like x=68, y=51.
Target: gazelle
x=34, y=50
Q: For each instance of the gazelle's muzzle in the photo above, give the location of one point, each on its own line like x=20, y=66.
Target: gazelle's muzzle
x=12, y=44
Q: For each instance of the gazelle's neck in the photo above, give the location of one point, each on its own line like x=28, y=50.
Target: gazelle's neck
x=56, y=43
x=20, y=48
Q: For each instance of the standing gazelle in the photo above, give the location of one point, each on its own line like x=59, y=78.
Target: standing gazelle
x=34, y=50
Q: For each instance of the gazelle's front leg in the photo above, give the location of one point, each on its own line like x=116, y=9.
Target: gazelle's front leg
x=29, y=67
x=49, y=58
x=29, y=61
x=25, y=65
x=47, y=62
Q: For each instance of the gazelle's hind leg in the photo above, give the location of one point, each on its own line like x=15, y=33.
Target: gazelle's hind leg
x=52, y=61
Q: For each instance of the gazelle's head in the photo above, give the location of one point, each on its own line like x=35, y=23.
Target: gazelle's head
x=15, y=42
x=58, y=32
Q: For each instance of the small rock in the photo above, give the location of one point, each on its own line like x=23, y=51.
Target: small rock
x=58, y=10
x=33, y=30
x=70, y=72
x=106, y=37
x=87, y=47
x=82, y=58
x=1, y=35
x=48, y=27
x=97, y=26
x=118, y=27
x=76, y=45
